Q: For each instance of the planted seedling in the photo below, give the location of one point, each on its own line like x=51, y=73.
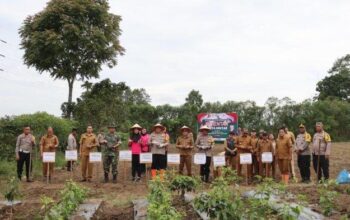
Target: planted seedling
x=183, y=184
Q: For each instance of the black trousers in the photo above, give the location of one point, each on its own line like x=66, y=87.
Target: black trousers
x=324, y=166
x=304, y=166
x=159, y=162
x=135, y=165
x=205, y=169
x=24, y=158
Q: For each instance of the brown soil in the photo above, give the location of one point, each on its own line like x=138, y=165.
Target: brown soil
x=118, y=196
x=185, y=208
x=110, y=212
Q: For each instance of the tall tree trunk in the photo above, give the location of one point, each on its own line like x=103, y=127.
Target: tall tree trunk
x=70, y=98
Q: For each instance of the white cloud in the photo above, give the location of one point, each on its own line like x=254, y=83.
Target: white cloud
x=229, y=50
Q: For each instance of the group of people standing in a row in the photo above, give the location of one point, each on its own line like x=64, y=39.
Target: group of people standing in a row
x=282, y=149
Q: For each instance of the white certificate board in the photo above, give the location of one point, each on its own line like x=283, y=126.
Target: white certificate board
x=71, y=155
x=219, y=161
x=49, y=157
x=145, y=157
x=245, y=158
x=125, y=155
x=266, y=157
x=95, y=157
x=173, y=158
x=199, y=158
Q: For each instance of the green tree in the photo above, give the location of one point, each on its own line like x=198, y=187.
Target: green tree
x=337, y=84
x=107, y=102
x=71, y=40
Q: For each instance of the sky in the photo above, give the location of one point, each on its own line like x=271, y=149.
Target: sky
x=228, y=50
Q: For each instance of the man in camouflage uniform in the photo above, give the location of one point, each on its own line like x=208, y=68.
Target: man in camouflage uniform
x=110, y=151
x=321, y=151
x=302, y=149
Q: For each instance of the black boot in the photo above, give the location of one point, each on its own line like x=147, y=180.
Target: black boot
x=106, y=177
x=114, y=178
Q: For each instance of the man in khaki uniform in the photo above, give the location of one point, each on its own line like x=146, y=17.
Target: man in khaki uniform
x=88, y=143
x=264, y=145
x=292, y=139
x=283, y=154
x=48, y=143
x=254, y=141
x=244, y=145
x=321, y=151
x=185, y=145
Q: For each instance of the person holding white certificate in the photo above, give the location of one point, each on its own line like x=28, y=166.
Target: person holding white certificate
x=185, y=145
x=48, y=143
x=158, y=142
x=205, y=144
x=264, y=146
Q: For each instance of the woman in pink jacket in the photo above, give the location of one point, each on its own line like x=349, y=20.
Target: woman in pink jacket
x=145, y=147
x=136, y=148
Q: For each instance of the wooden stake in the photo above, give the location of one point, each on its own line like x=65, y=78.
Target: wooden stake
x=48, y=173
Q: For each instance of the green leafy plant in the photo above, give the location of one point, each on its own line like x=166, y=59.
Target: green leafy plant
x=12, y=190
x=159, y=199
x=230, y=175
x=47, y=203
x=183, y=184
x=70, y=198
x=220, y=202
x=288, y=212
x=327, y=192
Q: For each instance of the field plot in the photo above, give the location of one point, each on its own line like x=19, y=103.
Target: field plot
x=117, y=198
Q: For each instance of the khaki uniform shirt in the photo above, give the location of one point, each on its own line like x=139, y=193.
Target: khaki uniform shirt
x=264, y=146
x=49, y=143
x=182, y=142
x=87, y=143
x=158, y=143
x=321, y=144
x=283, y=147
x=24, y=143
x=302, y=143
x=291, y=136
x=254, y=142
x=244, y=144
x=205, y=144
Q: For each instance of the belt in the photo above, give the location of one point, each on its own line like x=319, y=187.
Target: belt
x=24, y=151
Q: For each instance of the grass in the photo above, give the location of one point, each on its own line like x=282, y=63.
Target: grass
x=9, y=168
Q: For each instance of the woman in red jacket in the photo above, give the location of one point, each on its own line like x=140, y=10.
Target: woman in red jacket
x=136, y=148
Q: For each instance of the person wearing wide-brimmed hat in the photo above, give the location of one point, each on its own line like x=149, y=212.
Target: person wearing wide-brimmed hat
x=205, y=144
x=185, y=144
x=136, y=147
x=110, y=152
x=158, y=142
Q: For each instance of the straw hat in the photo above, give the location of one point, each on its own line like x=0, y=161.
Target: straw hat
x=136, y=126
x=204, y=127
x=185, y=128
x=158, y=125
